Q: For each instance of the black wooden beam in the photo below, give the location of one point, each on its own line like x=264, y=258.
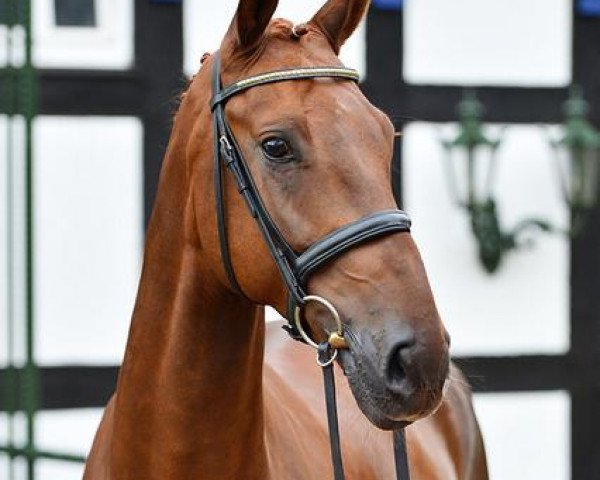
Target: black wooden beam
x=82, y=92
x=90, y=92
x=84, y=386
x=159, y=61
x=585, y=279
x=438, y=103
x=526, y=373
x=585, y=344
x=67, y=386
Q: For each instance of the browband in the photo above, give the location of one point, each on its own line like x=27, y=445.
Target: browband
x=281, y=75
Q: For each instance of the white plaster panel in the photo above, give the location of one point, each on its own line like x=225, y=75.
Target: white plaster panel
x=54, y=469
x=19, y=468
x=59, y=431
x=81, y=424
x=12, y=239
x=17, y=426
x=88, y=236
x=490, y=42
x=271, y=315
x=107, y=45
x=12, y=46
x=205, y=26
x=524, y=306
x=527, y=435
x=4, y=254
x=4, y=463
x=5, y=50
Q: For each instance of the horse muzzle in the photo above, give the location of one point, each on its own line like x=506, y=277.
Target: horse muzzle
x=395, y=378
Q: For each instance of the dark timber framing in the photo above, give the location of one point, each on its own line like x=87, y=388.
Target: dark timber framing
x=148, y=91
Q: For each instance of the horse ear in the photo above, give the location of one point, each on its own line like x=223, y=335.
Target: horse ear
x=250, y=21
x=337, y=19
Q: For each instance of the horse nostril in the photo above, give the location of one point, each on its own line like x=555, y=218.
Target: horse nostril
x=395, y=372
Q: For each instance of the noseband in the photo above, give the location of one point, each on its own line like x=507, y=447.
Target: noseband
x=295, y=268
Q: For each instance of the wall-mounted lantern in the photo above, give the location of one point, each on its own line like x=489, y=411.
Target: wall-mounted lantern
x=470, y=163
x=577, y=156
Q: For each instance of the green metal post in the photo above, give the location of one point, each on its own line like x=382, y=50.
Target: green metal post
x=30, y=384
x=10, y=377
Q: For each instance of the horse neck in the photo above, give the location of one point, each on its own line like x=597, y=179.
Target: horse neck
x=189, y=395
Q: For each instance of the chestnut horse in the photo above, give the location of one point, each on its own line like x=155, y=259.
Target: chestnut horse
x=206, y=390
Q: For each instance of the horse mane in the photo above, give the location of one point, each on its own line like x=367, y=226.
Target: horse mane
x=178, y=97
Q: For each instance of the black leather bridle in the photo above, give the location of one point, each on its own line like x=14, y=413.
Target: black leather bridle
x=295, y=268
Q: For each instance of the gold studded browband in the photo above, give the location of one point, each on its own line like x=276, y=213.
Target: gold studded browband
x=282, y=75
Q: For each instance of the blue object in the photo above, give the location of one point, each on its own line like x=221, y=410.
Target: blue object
x=589, y=8
x=388, y=4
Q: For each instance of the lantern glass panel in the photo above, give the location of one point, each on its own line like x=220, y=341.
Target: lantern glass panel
x=589, y=178
x=471, y=174
x=578, y=175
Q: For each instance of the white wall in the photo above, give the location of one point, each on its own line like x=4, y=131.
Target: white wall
x=205, y=26
x=526, y=434
x=10, y=261
x=89, y=234
x=488, y=42
x=68, y=431
x=88, y=227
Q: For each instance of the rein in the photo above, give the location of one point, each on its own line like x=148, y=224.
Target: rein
x=295, y=268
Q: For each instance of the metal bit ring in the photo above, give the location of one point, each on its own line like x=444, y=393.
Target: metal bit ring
x=328, y=362
x=336, y=338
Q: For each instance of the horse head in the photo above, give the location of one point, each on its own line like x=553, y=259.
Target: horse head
x=320, y=156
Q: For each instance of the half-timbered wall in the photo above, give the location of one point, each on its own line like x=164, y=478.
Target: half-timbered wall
x=528, y=336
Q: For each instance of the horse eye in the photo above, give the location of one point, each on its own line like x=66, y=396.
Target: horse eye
x=277, y=149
